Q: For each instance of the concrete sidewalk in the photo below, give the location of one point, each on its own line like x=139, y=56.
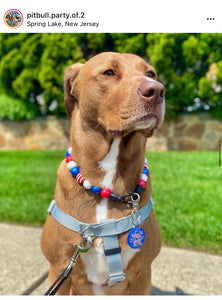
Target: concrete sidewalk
x=23, y=269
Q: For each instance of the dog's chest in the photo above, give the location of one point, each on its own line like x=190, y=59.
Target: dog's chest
x=94, y=259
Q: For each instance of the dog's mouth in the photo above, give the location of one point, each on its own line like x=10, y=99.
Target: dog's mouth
x=147, y=122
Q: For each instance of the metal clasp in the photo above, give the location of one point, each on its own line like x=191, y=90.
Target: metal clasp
x=72, y=261
x=135, y=214
x=83, y=246
x=135, y=198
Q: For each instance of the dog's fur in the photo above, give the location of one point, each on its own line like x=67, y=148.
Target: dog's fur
x=114, y=106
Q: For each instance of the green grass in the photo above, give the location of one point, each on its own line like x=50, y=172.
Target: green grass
x=27, y=183
x=187, y=189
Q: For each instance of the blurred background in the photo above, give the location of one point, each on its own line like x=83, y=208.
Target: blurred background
x=32, y=68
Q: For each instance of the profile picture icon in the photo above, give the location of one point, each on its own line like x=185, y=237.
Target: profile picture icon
x=13, y=18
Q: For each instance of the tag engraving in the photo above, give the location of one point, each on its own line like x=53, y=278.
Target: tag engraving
x=136, y=237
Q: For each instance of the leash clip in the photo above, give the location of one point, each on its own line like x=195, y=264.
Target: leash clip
x=82, y=247
x=72, y=261
x=85, y=244
x=86, y=241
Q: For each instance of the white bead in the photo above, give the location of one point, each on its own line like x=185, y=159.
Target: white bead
x=144, y=177
x=70, y=150
x=71, y=165
x=87, y=185
x=145, y=160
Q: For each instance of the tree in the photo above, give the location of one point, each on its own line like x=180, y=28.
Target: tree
x=185, y=62
x=37, y=66
x=189, y=65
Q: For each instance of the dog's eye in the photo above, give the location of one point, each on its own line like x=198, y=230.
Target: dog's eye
x=151, y=74
x=109, y=72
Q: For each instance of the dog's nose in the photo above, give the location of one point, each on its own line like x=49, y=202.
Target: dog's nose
x=151, y=91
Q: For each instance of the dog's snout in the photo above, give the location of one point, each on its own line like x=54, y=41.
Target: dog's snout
x=151, y=91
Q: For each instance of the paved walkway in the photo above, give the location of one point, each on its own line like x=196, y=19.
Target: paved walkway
x=23, y=269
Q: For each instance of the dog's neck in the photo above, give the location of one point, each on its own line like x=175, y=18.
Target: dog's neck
x=112, y=163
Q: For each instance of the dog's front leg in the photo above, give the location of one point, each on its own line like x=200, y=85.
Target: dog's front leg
x=141, y=283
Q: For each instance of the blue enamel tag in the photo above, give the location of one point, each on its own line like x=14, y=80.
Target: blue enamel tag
x=136, y=237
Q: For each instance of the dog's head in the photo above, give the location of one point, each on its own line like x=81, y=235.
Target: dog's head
x=116, y=93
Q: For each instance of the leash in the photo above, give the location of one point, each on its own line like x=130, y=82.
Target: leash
x=109, y=230
x=83, y=246
x=57, y=284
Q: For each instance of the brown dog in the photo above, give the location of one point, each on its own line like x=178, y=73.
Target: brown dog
x=115, y=102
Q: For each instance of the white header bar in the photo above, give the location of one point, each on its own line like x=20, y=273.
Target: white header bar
x=112, y=16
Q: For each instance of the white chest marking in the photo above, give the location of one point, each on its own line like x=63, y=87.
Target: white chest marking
x=94, y=259
x=108, y=164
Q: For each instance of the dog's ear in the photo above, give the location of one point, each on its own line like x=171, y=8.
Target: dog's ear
x=70, y=75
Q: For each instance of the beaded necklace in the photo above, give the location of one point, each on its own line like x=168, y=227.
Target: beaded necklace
x=104, y=193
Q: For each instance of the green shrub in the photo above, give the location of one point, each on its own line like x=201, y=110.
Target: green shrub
x=16, y=109
x=189, y=65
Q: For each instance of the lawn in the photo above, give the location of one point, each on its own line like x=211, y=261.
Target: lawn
x=187, y=189
x=27, y=183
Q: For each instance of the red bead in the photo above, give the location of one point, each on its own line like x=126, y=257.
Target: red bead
x=69, y=158
x=105, y=193
x=80, y=178
x=142, y=183
x=146, y=165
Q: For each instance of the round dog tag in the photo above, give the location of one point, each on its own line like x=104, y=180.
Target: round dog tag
x=136, y=237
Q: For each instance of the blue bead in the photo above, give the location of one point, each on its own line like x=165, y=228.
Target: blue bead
x=67, y=154
x=96, y=190
x=145, y=171
x=74, y=171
